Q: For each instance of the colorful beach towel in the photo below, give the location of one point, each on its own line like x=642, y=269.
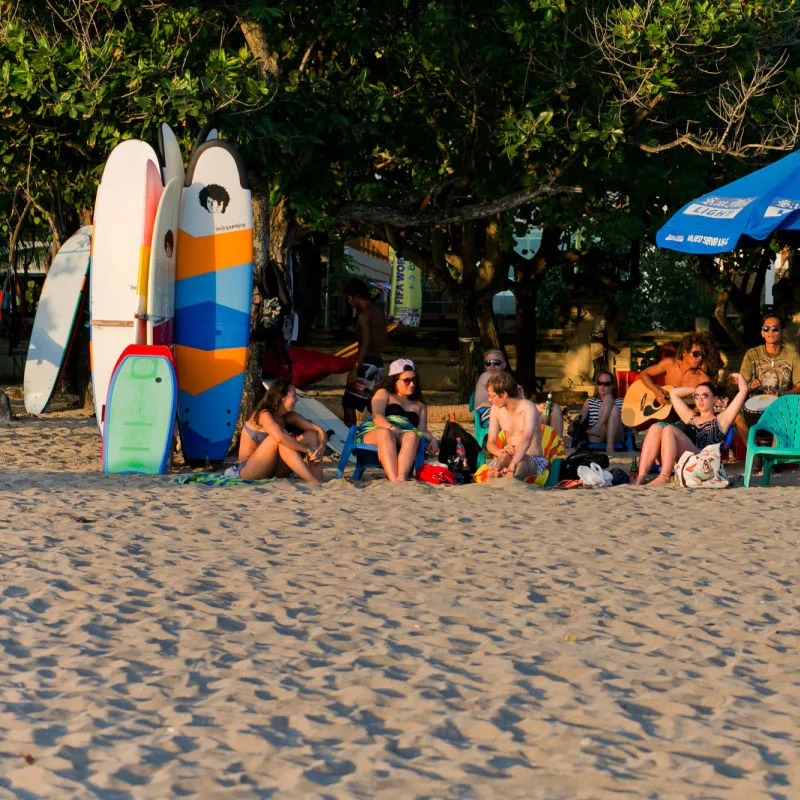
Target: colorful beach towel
x=399, y=422
x=214, y=479
x=552, y=448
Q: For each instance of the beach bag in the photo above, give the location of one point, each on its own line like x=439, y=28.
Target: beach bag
x=584, y=458
x=436, y=473
x=703, y=470
x=447, y=445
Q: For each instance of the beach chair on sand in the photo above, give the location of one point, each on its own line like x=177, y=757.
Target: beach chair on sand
x=481, y=430
x=781, y=419
x=366, y=455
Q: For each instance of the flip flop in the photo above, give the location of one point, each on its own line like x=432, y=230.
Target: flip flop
x=569, y=483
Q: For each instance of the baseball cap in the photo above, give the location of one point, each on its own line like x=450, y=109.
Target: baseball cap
x=401, y=365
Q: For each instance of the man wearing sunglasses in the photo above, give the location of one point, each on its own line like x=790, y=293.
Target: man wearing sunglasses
x=687, y=369
x=771, y=368
x=494, y=363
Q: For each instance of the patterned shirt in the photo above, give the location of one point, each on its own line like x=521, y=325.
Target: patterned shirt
x=777, y=373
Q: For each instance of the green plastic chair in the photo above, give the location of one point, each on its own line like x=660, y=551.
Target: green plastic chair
x=481, y=430
x=781, y=419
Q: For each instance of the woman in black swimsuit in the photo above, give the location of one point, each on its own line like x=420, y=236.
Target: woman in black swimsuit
x=268, y=450
x=668, y=443
x=399, y=419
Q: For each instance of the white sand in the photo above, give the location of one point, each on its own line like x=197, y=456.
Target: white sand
x=363, y=641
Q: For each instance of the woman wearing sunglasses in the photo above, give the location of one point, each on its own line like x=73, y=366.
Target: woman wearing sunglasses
x=600, y=419
x=668, y=442
x=399, y=418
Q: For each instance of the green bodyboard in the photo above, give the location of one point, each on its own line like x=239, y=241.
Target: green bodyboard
x=140, y=411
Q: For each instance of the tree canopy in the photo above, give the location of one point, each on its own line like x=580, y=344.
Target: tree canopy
x=437, y=126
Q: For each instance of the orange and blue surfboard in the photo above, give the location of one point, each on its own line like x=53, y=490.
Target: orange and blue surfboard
x=213, y=295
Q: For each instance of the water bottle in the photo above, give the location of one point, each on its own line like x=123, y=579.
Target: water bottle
x=461, y=453
x=548, y=409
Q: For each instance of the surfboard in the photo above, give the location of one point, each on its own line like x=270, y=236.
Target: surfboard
x=317, y=413
x=161, y=281
x=213, y=294
x=54, y=324
x=140, y=413
x=124, y=212
x=169, y=152
x=208, y=133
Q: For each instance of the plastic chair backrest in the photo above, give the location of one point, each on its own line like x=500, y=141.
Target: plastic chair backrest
x=781, y=418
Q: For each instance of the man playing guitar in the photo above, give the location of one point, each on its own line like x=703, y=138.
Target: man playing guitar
x=687, y=368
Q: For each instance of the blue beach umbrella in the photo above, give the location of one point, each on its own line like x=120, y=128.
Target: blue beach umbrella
x=740, y=214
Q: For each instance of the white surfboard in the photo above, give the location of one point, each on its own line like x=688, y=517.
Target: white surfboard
x=170, y=152
x=317, y=413
x=53, y=327
x=124, y=214
x=161, y=283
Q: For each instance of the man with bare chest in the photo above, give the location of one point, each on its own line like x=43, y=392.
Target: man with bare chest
x=515, y=432
x=367, y=373
x=687, y=368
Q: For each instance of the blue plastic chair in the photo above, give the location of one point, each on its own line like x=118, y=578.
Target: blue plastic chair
x=366, y=455
x=781, y=418
x=627, y=442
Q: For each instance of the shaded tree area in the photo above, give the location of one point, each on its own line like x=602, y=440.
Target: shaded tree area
x=439, y=127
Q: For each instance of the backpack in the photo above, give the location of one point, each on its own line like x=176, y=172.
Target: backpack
x=447, y=445
x=583, y=458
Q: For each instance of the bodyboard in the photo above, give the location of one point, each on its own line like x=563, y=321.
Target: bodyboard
x=161, y=281
x=127, y=198
x=140, y=415
x=213, y=295
x=54, y=324
x=317, y=413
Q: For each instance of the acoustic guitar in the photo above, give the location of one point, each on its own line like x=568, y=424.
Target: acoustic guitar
x=642, y=406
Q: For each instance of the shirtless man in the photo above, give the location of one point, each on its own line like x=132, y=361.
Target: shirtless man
x=367, y=372
x=521, y=455
x=688, y=368
x=495, y=362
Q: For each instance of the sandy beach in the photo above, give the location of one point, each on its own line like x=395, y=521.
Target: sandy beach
x=365, y=640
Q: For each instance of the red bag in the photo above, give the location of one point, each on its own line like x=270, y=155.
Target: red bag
x=434, y=473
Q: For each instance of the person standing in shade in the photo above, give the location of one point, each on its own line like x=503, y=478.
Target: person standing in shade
x=367, y=373
x=771, y=368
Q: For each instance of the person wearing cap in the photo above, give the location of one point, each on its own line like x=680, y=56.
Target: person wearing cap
x=399, y=419
x=367, y=372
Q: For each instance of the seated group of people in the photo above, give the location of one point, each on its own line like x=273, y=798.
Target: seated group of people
x=772, y=368
x=277, y=441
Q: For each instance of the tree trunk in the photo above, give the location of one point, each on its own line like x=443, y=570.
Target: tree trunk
x=253, y=387
x=309, y=260
x=525, y=291
x=469, y=344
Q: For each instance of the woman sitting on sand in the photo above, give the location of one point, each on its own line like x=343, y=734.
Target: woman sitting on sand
x=268, y=449
x=668, y=442
x=399, y=418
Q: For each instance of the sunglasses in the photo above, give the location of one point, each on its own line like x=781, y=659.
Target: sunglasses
x=605, y=383
x=698, y=354
x=768, y=328
x=703, y=396
x=407, y=381
x=493, y=362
